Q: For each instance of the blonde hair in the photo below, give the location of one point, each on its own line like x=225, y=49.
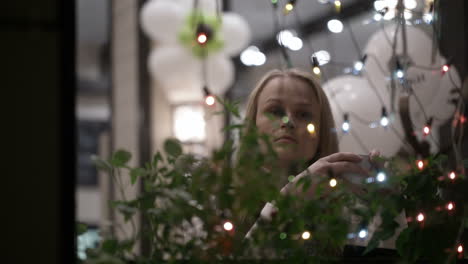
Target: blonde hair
x=328, y=142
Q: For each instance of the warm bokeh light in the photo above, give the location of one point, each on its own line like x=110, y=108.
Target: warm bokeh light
x=210, y=100
x=420, y=164
x=460, y=249
x=202, y=38
x=445, y=68
x=452, y=175
x=420, y=217
x=288, y=7
x=450, y=206
x=305, y=235
x=426, y=130
x=311, y=128
x=333, y=182
x=316, y=70
x=228, y=226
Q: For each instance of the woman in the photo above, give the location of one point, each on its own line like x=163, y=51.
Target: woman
x=291, y=107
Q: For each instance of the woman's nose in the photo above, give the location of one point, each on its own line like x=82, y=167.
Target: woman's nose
x=287, y=121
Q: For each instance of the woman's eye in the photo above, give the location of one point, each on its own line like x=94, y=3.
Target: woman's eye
x=305, y=115
x=276, y=111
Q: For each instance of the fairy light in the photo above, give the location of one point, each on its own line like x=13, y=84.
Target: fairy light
x=203, y=33
x=381, y=176
x=333, y=182
x=315, y=65
x=209, y=98
x=420, y=217
x=337, y=5
x=445, y=68
x=306, y=235
x=289, y=6
x=452, y=175
x=384, y=119
x=228, y=226
x=202, y=38
x=345, y=126
x=450, y=206
x=420, y=164
x=311, y=128
x=363, y=233
x=427, y=127
x=426, y=130
x=460, y=248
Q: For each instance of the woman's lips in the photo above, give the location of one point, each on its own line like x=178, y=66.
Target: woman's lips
x=286, y=139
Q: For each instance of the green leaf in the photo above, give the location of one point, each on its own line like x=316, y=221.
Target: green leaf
x=120, y=158
x=136, y=173
x=110, y=246
x=173, y=147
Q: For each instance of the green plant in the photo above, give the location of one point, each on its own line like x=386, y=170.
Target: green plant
x=186, y=200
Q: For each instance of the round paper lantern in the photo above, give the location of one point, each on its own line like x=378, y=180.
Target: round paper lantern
x=235, y=32
x=177, y=72
x=353, y=95
x=220, y=73
x=162, y=19
x=424, y=83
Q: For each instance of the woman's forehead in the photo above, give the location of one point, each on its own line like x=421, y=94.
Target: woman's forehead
x=288, y=89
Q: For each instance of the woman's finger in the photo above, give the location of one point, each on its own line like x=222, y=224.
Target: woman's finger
x=346, y=167
x=343, y=156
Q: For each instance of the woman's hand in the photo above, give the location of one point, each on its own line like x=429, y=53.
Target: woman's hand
x=337, y=164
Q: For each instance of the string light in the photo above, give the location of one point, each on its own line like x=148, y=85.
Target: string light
x=337, y=5
x=460, y=248
x=445, y=68
x=311, y=128
x=420, y=164
x=363, y=233
x=203, y=33
x=384, y=119
x=345, y=126
x=450, y=206
x=315, y=65
x=306, y=235
x=420, y=217
x=209, y=98
x=358, y=65
x=452, y=175
x=228, y=226
x=427, y=127
x=381, y=176
x=289, y=6
x=333, y=182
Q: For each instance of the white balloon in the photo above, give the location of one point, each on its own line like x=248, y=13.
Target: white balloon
x=177, y=72
x=180, y=73
x=353, y=95
x=220, y=73
x=441, y=107
x=235, y=32
x=424, y=82
x=161, y=20
x=207, y=6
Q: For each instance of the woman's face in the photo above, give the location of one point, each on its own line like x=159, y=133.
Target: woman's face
x=286, y=106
